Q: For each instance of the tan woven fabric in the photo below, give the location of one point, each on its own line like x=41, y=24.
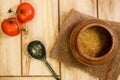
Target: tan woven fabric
x=61, y=49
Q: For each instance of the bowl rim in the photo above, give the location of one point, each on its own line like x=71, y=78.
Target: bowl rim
x=88, y=60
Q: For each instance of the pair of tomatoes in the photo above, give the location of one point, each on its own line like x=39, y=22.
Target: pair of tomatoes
x=13, y=26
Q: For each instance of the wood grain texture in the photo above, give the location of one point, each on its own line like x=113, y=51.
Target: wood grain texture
x=85, y=6
x=27, y=78
x=109, y=9
x=10, y=47
x=43, y=27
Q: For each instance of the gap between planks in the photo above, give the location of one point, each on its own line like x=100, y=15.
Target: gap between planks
x=97, y=8
x=21, y=51
x=58, y=34
x=31, y=76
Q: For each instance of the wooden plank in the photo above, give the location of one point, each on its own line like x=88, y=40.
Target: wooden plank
x=27, y=78
x=88, y=7
x=110, y=10
x=119, y=77
x=43, y=27
x=10, y=47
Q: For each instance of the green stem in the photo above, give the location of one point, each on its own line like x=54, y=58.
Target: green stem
x=10, y=11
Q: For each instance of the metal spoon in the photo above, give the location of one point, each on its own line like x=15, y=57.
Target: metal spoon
x=37, y=50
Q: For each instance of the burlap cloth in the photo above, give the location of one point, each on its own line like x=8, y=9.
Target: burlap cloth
x=61, y=50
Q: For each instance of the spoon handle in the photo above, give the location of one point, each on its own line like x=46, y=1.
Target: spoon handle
x=52, y=71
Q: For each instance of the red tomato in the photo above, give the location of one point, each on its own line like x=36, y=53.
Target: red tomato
x=25, y=12
x=10, y=26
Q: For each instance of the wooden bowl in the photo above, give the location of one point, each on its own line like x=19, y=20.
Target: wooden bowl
x=94, y=42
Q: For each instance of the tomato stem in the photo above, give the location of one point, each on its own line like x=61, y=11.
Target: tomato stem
x=24, y=29
x=10, y=21
x=11, y=11
x=21, y=11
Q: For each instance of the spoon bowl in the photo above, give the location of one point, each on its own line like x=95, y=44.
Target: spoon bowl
x=37, y=50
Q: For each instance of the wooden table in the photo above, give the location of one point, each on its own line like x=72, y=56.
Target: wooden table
x=16, y=64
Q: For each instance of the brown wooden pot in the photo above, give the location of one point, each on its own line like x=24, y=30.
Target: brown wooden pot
x=105, y=54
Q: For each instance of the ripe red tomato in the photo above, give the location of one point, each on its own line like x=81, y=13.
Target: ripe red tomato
x=10, y=26
x=25, y=12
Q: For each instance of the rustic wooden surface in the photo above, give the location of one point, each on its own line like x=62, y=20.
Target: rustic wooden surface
x=16, y=64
